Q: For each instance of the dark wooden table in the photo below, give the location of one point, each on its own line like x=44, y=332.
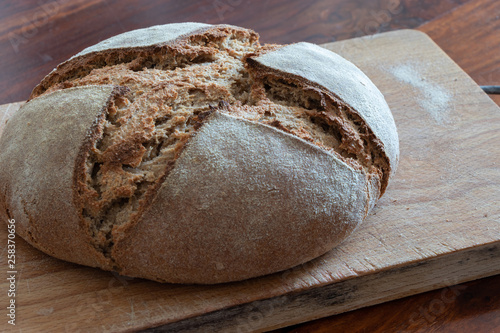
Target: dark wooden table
x=36, y=35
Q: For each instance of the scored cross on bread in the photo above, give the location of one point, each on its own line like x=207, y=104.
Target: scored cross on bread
x=201, y=156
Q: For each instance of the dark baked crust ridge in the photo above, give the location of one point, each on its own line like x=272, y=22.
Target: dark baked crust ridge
x=102, y=219
x=348, y=85
x=37, y=170
x=357, y=145
x=90, y=227
x=161, y=50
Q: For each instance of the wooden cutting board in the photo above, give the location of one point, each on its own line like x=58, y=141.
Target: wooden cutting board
x=437, y=225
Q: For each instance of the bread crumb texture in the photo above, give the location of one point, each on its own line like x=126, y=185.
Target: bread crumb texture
x=167, y=91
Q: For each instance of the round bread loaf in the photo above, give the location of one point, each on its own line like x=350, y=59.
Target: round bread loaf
x=190, y=153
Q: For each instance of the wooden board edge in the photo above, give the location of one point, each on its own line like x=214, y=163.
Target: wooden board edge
x=290, y=309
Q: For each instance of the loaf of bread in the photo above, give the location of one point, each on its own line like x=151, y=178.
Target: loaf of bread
x=190, y=153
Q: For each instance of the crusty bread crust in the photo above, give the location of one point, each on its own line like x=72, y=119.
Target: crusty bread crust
x=189, y=153
x=37, y=169
x=255, y=207
x=159, y=42
x=343, y=81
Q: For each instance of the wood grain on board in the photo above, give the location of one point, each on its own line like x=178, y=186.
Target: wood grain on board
x=467, y=307
x=437, y=225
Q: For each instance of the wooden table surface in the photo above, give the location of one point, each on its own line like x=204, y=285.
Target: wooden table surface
x=36, y=35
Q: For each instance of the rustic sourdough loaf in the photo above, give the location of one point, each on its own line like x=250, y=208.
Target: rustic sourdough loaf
x=190, y=153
